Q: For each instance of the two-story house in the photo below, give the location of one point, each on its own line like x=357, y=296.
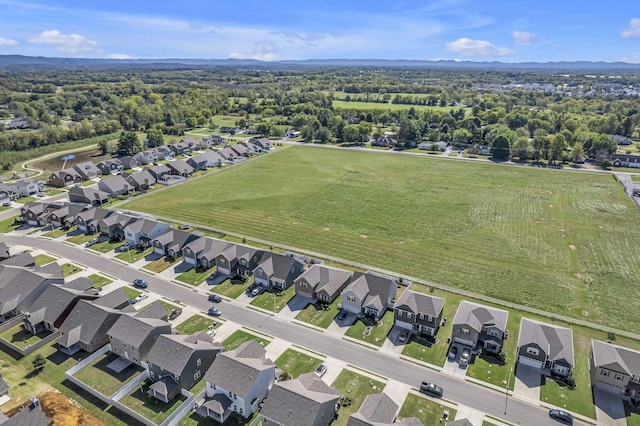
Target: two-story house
x=132, y=336
x=88, y=221
x=65, y=215
x=238, y=259
x=87, y=170
x=36, y=213
x=264, y=143
x=180, y=148
x=113, y=225
x=203, y=251
x=277, y=271
x=376, y=410
x=369, y=295
x=305, y=401
x=160, y=172
x=419, y=313
x=64, y=177
x=141, y=181
x=7, y=193
x=129, y=162
x=149, y=156
x=143, y=231
x=27, y=187
x=545, y=346
x=228, y=154
x=615, y=369
x=164, y=152
x=238, y=381
x=322, y=283
x=479, y=327
x=21, y=286
x=177, y=362
x=172, y=241
x=112, y=166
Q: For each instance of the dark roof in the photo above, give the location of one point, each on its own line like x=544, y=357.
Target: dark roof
x=30, y=415
x=80, y=283
x=371, y=289
x=134, y=330
x=51, y=304
x=21, y=260
x=86, y=322
x=616, y=358
x=172, y=352
x=376, y=408
x=325, y=278
x=140, y=177
x=154, y=310
x=16, y=284
x=461, y=422
x=95, y=213
x=277, y=265
x=476, y=316
x=555, y=341
x=114, y=299
x=114, y=184
x=420, y=303
x=4, y=387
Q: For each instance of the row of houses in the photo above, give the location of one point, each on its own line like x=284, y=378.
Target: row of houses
x=21, y=188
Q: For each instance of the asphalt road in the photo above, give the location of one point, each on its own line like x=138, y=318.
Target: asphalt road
x=472, y=395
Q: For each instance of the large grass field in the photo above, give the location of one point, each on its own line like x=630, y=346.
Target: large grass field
x=559, y=241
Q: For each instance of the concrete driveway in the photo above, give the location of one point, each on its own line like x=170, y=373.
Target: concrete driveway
x=392, y=345
x=609, y=408
x=293, y=307
x=527, y=384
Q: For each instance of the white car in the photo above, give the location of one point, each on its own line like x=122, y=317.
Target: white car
x=321, y=370
x=141, y=296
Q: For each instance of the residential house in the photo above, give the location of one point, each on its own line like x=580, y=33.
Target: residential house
x=113, y=225
x=87, y=195
x=238, y=259
x=240, y=150
x=202, y=252
x=141, y=181
x=546, y=346
x=321, y=283
x=376, y=410
x=87, y=170
x=216, y=139
x=21, y=286
x=631, y=161
x=36, y=213
x=143, y=231
x=149, y=156
x=132, y=336
x=160, y=172
x=27, y=187
x=30, y=415
x=177, y=362
x=7, y=193
x=180, y=168
x=615, y=369
x=18, y=123
x=438, y=146
x=129, y=162
x=5, y=393
x=66, y=215
x=111, y=166
x=88, y=221
x=418, y=312
x=64, y=177
x=87, y=324
x=180, y=148
x=369, y=295
x=115, y=186
x=621, y=140
x=251, y=131
x=277, y=271
x=264, y=143
x=238, y=381
x=191, y=143
x=172, y=241
x=52, y=307
x=164, y=152
x=230, y=129
x=252, y=149
x=21, y=260
x=205, y=160
x=305, y=401
x=479, y=327
x=385, y=141
x=228, y=154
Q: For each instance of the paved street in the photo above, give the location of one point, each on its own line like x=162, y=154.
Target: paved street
x=471, y=395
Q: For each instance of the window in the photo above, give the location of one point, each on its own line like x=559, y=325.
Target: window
x=604, y=373
x=351, y=298
x=324, y=297
x=619, y=376
x=303, y=285
x=152, y=374
x=465, y=331
x=409, y=315
x=124, y=345
x=196, y=375
x=532, y=351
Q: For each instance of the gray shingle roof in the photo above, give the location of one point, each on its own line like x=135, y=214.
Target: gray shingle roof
x=134, y=330
x=461, y=422
x=113, y=299
x=94, y=214
x=4, y=387
x=476, y=316
x=29, y=416
x=173, y=351
x=325, y=278
x=616, y=358
x=140, y=177
x=51, y=304
x=377, y=408
x=374, y=287
x=277, y=265
x=16, y=284
x=208, y=247
x=419, y=303
x=154, y=310
x=21, y=260
x=557, y=342
x=411, y=421
x=114, y=184
x=86, y=322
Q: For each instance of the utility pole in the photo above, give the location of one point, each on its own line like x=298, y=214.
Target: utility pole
x=506, y=391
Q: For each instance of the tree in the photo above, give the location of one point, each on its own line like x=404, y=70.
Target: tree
x=105, y=146
x=169, y=120
x=578, y=153
x=557, y=146
x=500, y=148
x=155, y=138
x=350, y=133
x=323, y=134
x=39, y=362
x=461, y=136
x=129, y=143
x=521, y=149
x=264, y=128
x=605, y=164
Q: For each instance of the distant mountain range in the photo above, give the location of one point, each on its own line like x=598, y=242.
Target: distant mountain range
x=19, y=60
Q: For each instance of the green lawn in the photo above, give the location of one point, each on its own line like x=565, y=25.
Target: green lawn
x=134, y=255
x=297, y=363
x=377, y=334
x=274, y=301
x=160, y=265
x=131, y=293
x=107, y=246
x=429, y=412
x=239, y=337
x=563, y=397
x=194, y=324
x=22, y=338
x=319, y=315
x=26, y=199
x=81, y=238
x=69, y=269
x=192, y=277
x=99, y=281
x=43, y=259
x=8, y=225
x=354, y=387
x=53, y=191
x=151, y=408
x=633, y=419
x=560, y=240
x=104, y=380
x=226, y=288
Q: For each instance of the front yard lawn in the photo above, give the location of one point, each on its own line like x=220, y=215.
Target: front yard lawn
x=633, y=419
x=318, y=314
x=354, y=388
x=378, y=333
x=427, y=411
x=297, y=363
x=196, y=323
x=274, y=301
x=160, y=265
x=132, y=256
x=131, y=293
x=151, y=408
x=26, y=200
x=9, y=225
x=104, y=380
x=231, y=290
x=70, y=269
x=99, y=281
x=43, y=259
x=578, y=400
x=192, y=277
x=81, y=238
x=22, y=338
x=241, y=336
x=107, y=246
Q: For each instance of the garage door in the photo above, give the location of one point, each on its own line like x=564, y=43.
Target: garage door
x=530, y=362
x=464, y=342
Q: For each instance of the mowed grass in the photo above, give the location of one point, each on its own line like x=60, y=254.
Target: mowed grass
x=319, y=314
x=239, y=337
x=429, y=412
x=354, y=387
x=559, y=241
x=296, y=363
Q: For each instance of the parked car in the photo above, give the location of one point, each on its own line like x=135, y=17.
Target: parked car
x=139, y=282
x=431, y=389
x=77, y=185
x=342, y=315
x=257, y=290
x=214, y=312
x=453, y=352
x=321, y=370
x=251, y=287
x=465, y=357
x=214, y=275
x=175, y=313
x=211, y=331
x=561, y=416
x=126, y=247
x=214, y=298
x=41, y=194
x=92, y=242
x=141, y=296
x=185, y=226
x=404, y=335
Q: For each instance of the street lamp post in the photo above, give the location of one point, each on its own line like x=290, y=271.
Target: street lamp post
x=506, y=391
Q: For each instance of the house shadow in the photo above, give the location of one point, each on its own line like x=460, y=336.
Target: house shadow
x=182, y=267
x=529, y=376
x=58, y=357
x=81, y=393
x=611, y=404
x=152, y=256
x=298, y=303
x=426, y=341
x=74, y=233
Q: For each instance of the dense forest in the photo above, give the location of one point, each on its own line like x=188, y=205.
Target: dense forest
x=523, y=115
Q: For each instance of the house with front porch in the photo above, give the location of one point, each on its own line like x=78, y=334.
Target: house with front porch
x=547, y=347
x=276, y=271
x=376, y=410
x=36, y=213
x=419, y=313
x=87, y=170
x=112, y=166
x=172, y=241
x=88, y=221
x=87, y=195
x=176, y=362
x=112, y=226
x=615, y=369
x=369, y=295
x=202, y=252
x=238, y=381
x=65, y=216
x=143, y=231
x=238, y=259
x=322, y=283
x=64, y=177
x=28, y=187
x=132, y=336
x=141, y=181
x=479, y=327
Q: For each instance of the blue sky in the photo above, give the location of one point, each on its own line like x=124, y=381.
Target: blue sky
x=480, y=30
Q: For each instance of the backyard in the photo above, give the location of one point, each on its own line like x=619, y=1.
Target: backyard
x=20, y=337
x=296, y=363
x=104, y=380
x=151, y=408
x=354, y=388
x=559, y=240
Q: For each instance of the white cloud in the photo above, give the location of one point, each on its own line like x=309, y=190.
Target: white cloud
x=119, y=56
x=633, y=30
x=262, y=52
x=7, y=42
x=632, y=58
x=71, y=43
x=524, y=38
x=468, y=47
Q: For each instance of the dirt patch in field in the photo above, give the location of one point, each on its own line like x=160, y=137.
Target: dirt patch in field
x=363, y=236
x=551, y=205
x=578, y=275
x=326, y=229
x=572, y=247
x=62, y=411
x=585, y=313
x=296, y=223
x=398, y=242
